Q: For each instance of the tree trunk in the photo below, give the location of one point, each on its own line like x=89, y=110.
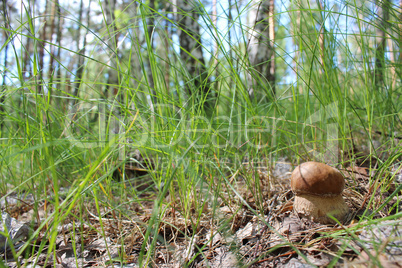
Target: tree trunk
x=150, y=30
x=26, y=64
x=166, y=39
x=135, y=43
x=215, y=23
x=383, y=14
x=58, y=42
x=215, y=51
x=112, y=79
x=52, y=47
x=6, y=36
x=322, y=39
x=399, y=27
x=197, y=83
x=42, y=44
x=261, y=48
x=5, y=64
x=80, y=64
x=230, y=21
x=400, y=32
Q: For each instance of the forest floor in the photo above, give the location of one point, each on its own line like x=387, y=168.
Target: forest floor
x=230, y=235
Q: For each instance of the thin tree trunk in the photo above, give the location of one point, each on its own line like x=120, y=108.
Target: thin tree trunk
x=150, y=30
x=400, y=34
x=215, y=52
x=6, y=36
x=191, y=52
x=383, y=12
x=230, y=19
x=52, y=47
x=5, y=64
x=135, y=44
x=298, y=49
x=230, y=23
x=42, y=44
x=261, y=49
x=272, y=65
x=214, y=22
x=392, y=62
x=166, y=42
x=26, y=58
x=322, y=39
x=112, y=79
x=58, y=42
x=78, y=74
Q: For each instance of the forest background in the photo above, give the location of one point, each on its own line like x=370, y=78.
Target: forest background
x=175, y=97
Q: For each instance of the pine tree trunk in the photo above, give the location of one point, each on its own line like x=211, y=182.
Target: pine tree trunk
x=26, y=64
x=150, y=30
x=52, y=47
x=398, y=60
x=166, y=39
x=42, y=44
x=322, y=39
x=112, y=79
x=230, y=21
x=80, y=63
x=261, y=49
x=58, y=42
x=5, y=64
x=198, y=84
x=400, y=33
x=383, y=13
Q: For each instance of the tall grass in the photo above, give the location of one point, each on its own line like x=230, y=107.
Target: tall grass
x=66, y=149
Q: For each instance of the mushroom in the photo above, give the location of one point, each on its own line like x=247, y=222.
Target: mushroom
x=318, y=189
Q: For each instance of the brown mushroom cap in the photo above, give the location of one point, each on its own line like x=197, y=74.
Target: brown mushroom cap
x=315, y=178
x=318, y=188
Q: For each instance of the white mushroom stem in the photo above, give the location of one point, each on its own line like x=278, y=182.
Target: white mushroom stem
x=318, y=208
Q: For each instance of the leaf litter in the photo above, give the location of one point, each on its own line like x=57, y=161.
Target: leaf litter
x=239, y=234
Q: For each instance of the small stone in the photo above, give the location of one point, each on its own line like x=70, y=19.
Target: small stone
x=16, y=230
